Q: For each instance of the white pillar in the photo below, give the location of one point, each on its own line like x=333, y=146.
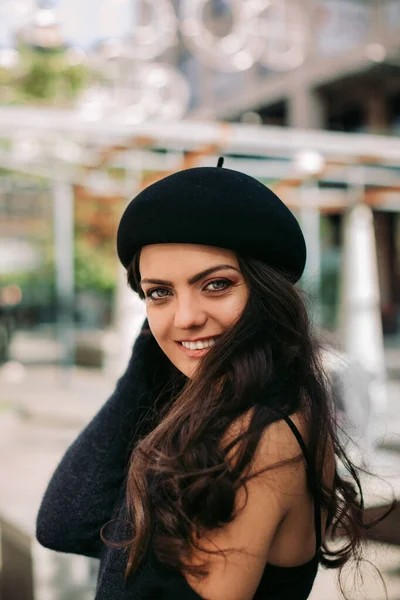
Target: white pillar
x=63, y=227
x=309, y=217
x=361, y=324
x=305, y=108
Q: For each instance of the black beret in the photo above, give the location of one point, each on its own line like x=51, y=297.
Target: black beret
x=213, y=206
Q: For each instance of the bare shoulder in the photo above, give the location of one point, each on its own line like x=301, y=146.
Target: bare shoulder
x=278, y=461
x=280, y=455
x=279, y=443
x=277, y=440
x=258, y=514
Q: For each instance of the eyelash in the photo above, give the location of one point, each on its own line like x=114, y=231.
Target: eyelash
x=227, y=283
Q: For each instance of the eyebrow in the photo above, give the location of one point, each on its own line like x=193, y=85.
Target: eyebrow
x=193, y=279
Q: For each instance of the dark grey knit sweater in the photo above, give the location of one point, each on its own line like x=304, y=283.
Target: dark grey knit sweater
x=88, y=489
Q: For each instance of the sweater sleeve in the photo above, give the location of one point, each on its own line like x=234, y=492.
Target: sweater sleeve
x=83, y=491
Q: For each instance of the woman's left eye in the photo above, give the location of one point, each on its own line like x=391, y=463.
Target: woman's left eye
x=218, y=285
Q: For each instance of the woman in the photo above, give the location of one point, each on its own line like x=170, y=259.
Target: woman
x=210, y=472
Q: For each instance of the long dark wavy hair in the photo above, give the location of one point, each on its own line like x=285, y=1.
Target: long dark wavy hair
x=180, y=482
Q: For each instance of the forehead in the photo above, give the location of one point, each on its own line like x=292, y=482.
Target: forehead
x=182, y=259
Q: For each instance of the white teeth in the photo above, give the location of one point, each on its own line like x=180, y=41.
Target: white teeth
x=200, y=345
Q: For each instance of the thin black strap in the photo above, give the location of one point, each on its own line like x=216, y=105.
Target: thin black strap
x=313, y=481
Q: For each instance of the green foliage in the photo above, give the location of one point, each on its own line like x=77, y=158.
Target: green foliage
x=95, y=268
x=76, y=77
x=47, y=77
x=37, y=286
x=39, y=82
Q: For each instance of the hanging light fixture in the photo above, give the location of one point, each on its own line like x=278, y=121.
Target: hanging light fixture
x=286, y=31
x=309, y=162
x=238, y=50
x=165, y=94
x=125, y=81
x=112, y=59
x=155, y=34
x=149, y=90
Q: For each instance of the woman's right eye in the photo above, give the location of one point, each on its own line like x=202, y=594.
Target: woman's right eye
x=157, y=294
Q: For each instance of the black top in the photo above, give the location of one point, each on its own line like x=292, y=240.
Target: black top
x=88, y=489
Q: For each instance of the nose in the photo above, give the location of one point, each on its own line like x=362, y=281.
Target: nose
x=188, y=313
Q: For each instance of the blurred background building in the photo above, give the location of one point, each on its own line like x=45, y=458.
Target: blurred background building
x=349, y=81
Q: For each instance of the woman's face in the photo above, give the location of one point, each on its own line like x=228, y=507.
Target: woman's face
x=193, y=295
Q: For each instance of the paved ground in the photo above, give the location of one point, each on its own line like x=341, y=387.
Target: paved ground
x=41, y=411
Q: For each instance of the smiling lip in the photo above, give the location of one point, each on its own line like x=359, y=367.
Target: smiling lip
x=194, y=353
x=210, y=337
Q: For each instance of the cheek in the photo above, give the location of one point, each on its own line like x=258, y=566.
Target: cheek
x=233, y=308
x=157, y=324
x=161, y=325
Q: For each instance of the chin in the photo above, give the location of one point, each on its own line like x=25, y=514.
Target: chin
x=188, y=368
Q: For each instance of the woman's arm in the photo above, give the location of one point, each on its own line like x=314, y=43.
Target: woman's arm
x=87, y=483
